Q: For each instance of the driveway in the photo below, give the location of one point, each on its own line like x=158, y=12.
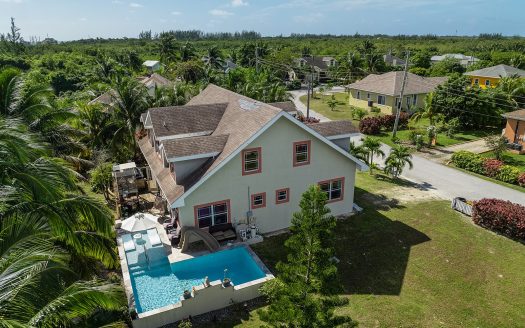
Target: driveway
x=296, y=94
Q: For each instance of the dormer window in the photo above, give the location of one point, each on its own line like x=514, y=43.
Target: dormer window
x=251, y=161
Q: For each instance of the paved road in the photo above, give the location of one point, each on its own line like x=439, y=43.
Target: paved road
x=444, y=181
x=449, y=183
x=296, y=94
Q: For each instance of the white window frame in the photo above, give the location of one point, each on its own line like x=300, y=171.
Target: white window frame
x=331, y=189
x=487, y=83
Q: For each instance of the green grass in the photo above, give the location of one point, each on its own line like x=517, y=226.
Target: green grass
x=510, y=158
x=343, y=112
x=418, y=264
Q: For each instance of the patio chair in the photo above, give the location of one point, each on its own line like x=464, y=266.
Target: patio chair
x=174, y=235
x=169, y=223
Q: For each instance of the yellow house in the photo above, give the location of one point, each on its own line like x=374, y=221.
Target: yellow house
x=383, y=91
x=489, y=77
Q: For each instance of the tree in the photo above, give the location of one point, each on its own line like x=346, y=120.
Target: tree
x=301, y=295
x=187, y=52
x=427, y=111
x=398, y=158
x=101, y=179
x=332, y=103
x=497, y=144
x=372, y=147
x=13, y=38
x=167, y=48
x=446, y=67
x=213, y=58
x=358, y=152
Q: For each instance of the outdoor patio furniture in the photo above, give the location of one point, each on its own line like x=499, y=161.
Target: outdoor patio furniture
x=128, y=243
x=223, y=232
x=153, y=237
x=174, y=235
x=169, y=223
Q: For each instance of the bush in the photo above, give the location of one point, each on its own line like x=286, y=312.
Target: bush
x=521, y=179
x=358, y=113
x=468, y=161
x=501, y=216
x=508, y=174
x=375, y=110
x=492, y=167
x=388, y=121
x=370, y=125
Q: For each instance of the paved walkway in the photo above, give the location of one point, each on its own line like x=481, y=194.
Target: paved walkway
x=443, y=154
x=296, y=94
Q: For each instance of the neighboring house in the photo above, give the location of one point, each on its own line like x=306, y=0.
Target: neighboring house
x=515, y=129
x=462, y=59
x=489, y=77
x=392, y=60
x=383, y=91
x=225, y=158
x=151, y=81
x=152, y=65
x=318, y=67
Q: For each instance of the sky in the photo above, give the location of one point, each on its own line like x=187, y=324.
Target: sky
x=75, y=19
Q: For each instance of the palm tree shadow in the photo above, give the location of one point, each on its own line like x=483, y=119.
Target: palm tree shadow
x=374, y=256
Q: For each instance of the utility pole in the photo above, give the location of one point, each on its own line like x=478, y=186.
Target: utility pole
x=400, y=104
x=309, y=88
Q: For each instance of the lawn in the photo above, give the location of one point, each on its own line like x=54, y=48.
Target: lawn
x=417, y=264
x=343, y=112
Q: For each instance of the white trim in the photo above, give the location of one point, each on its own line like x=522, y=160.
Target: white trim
x=342, y=136
x=360, y=165
x=185, y=135
x=190, y=157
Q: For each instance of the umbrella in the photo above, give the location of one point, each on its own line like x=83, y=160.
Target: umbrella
x=139, y=222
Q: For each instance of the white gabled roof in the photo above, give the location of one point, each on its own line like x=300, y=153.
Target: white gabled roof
x=360, y=164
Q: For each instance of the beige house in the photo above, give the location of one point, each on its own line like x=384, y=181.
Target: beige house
x=225, y=158
x=383, y=91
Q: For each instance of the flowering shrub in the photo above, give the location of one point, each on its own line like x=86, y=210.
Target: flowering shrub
x=508, y=174
x=468, y=161
x=370, y=125
x=388, y=121
x=492, y=167
x=501, y=216
x=309, y=120
x=521, y=179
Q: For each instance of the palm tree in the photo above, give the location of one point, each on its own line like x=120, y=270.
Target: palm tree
x=213, y=58
x=372, y=147
x=513, y=89
x=398, y=158
x=167, y=48
x=38, y=288
x=428, y=111
x=187, y=52
x=130, y=101
x=358, y=152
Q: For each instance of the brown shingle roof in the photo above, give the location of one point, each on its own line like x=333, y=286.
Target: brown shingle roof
x=242, y=118
x=170, y=121
x=391, y=83
x=287, y=106
x=517, y=115
x=194, y=146
x=334, y=128
x=154, y=80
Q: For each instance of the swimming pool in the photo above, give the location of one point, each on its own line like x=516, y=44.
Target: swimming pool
x=163, y=283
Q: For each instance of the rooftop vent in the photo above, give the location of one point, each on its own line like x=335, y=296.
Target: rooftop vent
x=249, y=105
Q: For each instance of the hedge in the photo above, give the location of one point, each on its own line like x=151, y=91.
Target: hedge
x=488, y=166
x=370, y=125
x=373, y=125
x=501, y=216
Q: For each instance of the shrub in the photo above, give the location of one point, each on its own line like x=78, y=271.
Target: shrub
x=501, y=216
x=370, y=125
x=375, y=110
x=309, y=120
x=508, y=174
x=492, y=167
x=388, y=121
x=358, y=113
x=521, y=179
x=468, y=161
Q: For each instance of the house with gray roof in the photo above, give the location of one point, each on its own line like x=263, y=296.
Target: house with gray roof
x=464, y=60
x=383, y=91
x=227, y=159
x=318, y=67
x=490, y=76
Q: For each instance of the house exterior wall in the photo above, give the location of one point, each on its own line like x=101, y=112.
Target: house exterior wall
x=388, y=107
x=278, y=172
x=481, y=81
x=514, y=131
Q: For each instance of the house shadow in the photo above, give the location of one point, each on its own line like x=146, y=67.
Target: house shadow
x=374, y=252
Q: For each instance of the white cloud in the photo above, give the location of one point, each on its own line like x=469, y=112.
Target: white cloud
x=118, y=2
x=176, y=13
x=12, y=1
x=239, y=3
x=310, y=18
x=220, y=12
x=135, y=5
x=83, y=19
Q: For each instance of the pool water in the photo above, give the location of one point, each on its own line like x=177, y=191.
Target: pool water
x=163, y=284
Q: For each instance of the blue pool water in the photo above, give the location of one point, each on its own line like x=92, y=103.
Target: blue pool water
x=163, y=284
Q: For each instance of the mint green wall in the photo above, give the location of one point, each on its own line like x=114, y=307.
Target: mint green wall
x=277, y=172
